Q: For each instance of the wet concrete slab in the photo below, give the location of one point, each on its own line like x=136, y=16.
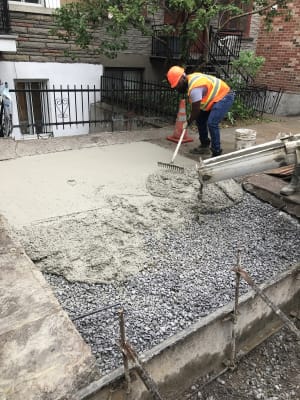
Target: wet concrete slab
x=55, y=184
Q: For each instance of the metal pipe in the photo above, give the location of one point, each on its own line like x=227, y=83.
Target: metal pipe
x=254, y=159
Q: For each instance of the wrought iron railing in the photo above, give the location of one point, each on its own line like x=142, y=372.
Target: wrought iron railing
x=4, y=17
x=141, y=98
x=223, y=46
x=147, y=103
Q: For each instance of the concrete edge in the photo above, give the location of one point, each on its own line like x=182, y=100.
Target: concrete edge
x=204, y=347
x=42, y=353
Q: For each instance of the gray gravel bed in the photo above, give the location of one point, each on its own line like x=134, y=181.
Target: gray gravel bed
x=187, y=275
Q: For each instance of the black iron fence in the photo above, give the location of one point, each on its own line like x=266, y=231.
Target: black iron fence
x=117, y=105
x=4, y=17
x=258, y=100
x=225, y=45
x=149, y=99
x=41, y=108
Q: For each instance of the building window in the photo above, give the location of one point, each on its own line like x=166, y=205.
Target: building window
x=33, y=107
x=135, y=74
x=31, y=1
x=43, y=3
x=124, y=78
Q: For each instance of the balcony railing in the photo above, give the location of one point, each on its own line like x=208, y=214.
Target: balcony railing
x=4, y=17
x=224, y=46
x=169, y=46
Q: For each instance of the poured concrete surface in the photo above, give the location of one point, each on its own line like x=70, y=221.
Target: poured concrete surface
x=42, y=355
x=51, y=185
x=83, y=213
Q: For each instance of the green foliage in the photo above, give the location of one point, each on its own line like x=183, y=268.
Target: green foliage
x=239, y=111
x=247, y=62
x=250, y=64
x=102, y=25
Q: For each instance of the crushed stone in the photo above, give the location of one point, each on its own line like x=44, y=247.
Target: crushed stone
x=186, y=275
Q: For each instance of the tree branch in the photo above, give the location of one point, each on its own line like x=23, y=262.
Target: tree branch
x=248, y=13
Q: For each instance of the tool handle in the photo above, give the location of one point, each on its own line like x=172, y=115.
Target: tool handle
x=178, y=145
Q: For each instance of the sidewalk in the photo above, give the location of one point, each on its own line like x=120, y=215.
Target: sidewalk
x=266, y=131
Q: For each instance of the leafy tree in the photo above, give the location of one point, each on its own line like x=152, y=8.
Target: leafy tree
x=80, y=21
x=250, y=64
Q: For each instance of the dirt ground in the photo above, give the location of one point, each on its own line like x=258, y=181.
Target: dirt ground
x=269, y=372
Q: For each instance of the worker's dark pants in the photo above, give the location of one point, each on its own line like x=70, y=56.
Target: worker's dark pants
x=208, y=121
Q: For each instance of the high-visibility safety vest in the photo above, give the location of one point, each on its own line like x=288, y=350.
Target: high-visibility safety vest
x=216, y=88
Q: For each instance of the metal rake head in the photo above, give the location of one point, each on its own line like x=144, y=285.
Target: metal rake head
x=172, y=167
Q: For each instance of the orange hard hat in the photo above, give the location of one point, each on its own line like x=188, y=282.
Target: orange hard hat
x=174, y=74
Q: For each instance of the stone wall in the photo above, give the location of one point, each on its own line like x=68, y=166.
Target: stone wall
x=35, y=43
x=281, y=49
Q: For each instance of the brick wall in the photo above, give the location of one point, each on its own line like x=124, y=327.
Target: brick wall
x=281, y=49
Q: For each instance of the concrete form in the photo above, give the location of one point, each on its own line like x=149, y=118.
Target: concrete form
x=204, y=348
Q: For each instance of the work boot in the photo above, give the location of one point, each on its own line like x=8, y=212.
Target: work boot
x=216, y=153
x=202, y=149
x=294, y=185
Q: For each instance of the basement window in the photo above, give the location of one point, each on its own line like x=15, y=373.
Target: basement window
x=33, y=106
x=41, y=3
x=124, y=78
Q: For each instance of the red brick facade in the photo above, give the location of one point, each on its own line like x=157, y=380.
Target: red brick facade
x=281, y=49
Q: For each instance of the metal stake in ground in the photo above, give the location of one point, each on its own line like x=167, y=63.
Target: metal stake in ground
x=122, y=344
x=143, y=374
x=276, y=310
x=235, y=312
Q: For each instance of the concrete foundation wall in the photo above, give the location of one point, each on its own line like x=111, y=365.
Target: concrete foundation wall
x=205, y=346
x=289, y=104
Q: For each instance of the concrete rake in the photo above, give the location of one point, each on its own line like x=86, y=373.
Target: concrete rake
x=171, y=164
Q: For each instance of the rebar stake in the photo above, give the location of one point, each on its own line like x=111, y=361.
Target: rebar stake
x=123, y=344
x=143, y=374
x=235, y=313
x=276, y=309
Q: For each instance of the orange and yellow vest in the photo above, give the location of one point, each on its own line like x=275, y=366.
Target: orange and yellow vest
x=216, y=88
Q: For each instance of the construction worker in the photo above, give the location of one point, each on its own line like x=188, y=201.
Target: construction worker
x=211, y=99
